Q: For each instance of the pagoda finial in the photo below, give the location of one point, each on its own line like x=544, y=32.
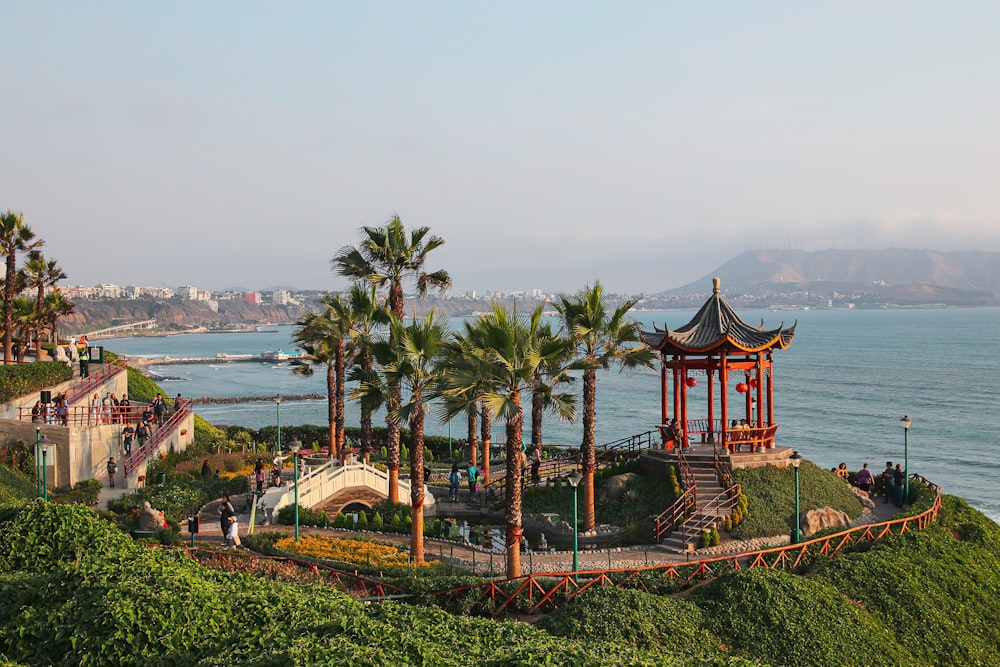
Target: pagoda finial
x=716, y=284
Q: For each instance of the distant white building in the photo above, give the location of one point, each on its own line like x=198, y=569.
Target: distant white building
x=281, y=297
x=189, y=292
x=108, y=291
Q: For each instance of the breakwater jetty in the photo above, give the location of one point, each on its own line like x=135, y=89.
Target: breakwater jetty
x=220, y=358
x=256, y=399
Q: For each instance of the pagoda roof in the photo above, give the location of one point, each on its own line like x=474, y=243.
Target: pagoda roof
x=716, y=326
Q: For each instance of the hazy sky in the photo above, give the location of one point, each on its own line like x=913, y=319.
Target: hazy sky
x=240, y=144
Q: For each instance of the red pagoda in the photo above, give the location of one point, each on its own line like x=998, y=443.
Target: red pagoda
x=728, y=354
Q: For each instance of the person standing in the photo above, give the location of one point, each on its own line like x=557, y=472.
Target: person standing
x=888, y=483
x=84, y=355
x=206, y=470
x=159, y=409
x=260, y=476
x=124, y=406
x=899, y=479
x=865, y=478
x=227, y=515
x=112, y=470
x=454, y=479
x=96, y=409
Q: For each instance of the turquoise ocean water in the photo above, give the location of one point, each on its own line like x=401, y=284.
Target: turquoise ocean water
x=840, y=390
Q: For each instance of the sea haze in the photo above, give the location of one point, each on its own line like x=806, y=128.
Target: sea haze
x=840, y=390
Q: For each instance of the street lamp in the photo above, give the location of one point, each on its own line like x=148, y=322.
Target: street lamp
x=277, y=407
x=906, y=421
x=38, y=463
x=46, y=445
x=797, y=534
x=294, y=445
x=574, y=481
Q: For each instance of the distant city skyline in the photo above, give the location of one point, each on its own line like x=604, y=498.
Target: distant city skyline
x=550, y=145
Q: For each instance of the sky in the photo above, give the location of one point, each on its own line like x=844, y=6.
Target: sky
x=643, y=144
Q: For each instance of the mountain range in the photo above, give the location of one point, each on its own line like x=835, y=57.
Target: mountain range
x=892, y=276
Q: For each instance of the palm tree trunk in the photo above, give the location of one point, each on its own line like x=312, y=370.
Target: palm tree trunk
x=39, y=300
x=392, y=446
x=417, y=484
x=512, y=490
x=339, y=428
x=486, y=427
x=331, y=407
x=366, y=413
x=536, y=422
x=473, y=439
x=587, y=454
x=8, y=304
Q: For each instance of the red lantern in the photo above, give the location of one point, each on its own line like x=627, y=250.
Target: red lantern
x=753, y=382
x=742, y=387
x=691, y=382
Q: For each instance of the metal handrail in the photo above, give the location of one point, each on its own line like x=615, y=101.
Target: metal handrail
x=140, y=455
x=86, y=385
x=542, y=590
x=675, y=515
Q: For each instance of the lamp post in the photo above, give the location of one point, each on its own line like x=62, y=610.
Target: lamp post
x=294, y=445
x=574, y=481
x=44, y=444
x=277, y=407
x=38, y=463
x=797, y=534
x=906, y=421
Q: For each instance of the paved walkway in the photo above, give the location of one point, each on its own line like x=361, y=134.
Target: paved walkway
x=482, y=562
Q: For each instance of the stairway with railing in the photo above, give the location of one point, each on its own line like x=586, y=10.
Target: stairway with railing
x=135, y=463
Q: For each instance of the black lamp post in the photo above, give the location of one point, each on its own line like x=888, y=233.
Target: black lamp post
x=906, y=421
x=574, y=480
x=38, y=463
x=797, y=533
x=277, y=408
x=45, y=445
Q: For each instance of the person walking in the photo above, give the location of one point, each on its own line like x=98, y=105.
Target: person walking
x=472, y=473
x=227, y=516
x=128, y=433
x=865, y=478
x=84, y=355
x=112, y=471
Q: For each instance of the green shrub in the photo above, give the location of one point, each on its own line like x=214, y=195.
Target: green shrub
x=705, y=540
x=84, y=492
x=377, y=521
x=22, y=379
x=362, y=521
x=637, y=619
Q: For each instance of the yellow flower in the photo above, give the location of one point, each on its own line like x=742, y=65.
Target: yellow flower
x=361, y=552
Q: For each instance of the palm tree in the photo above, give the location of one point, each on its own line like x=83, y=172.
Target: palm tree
x=321, y=337
x=15, y=237
x=502, y=357
x=57, y=305
x=41, y=274
x=410, y=356
x=601, y=338
x=457, y=353
x=364, y=314
x=23, y=319
x=548, y=376
x=385, y=258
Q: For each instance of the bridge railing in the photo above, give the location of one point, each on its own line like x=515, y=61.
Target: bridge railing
x=320, y=483
x=545, y=591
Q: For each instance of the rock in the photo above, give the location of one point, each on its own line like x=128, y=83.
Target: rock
x=815, y=520
x=613, y=488
x=864, y=497
x=151, y=519
x=543, y=544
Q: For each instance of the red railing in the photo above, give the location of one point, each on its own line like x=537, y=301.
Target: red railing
x=675, y=515
x=627, y=447
x=101, y=374
x=82, y=415
x=535, y=592
x=140, y=455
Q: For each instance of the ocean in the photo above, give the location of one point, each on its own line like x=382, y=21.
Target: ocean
x=840, y=390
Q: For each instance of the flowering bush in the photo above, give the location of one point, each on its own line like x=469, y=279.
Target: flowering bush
x=361, y=552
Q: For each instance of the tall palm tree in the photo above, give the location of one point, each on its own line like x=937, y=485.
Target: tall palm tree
x=41, y=274
x=321, y=337
x=364, y=315
x=458, y=352
x=601, y=338
x=57, y=305
x=386, y=257
x=23, y=317
x=501, y=360
x=15, y=237
x=411, y=357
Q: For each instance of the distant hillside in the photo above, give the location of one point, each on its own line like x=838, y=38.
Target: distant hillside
x=907, y=277
x=91, y=314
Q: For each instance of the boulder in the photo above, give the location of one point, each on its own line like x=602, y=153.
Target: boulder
x=612, y=489
x=151, y=519
x=813, y=521
x=864, y=497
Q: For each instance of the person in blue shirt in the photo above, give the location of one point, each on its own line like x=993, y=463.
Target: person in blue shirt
x=472, y=473
x=454, y=478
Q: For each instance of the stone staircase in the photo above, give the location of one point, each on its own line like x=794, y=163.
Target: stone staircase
x=686, y=537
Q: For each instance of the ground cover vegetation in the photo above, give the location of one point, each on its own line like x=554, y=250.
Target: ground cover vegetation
x=78, y=591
